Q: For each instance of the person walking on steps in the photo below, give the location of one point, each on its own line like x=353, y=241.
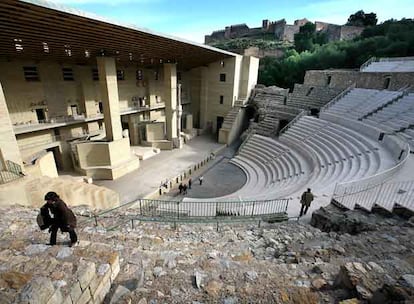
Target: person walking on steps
x=305, y=200
x=189, y=183
x=200, y=179
x=63, y=218
x=180, y=187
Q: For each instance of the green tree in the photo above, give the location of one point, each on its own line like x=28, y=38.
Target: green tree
x=362, y=19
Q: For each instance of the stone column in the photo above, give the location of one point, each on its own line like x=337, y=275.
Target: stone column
x=170, y=98
x=203, y=97
x=87, y=91
x=110, y=98
x=9, y=150
x=179, y=109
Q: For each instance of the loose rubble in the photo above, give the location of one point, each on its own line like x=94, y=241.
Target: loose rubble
x=291, y=262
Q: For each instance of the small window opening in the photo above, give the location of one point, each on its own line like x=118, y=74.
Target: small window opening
x=95, y=75
x=223, y=77
x=222, y=64
x=221, y=99
x=328, y=80
x=31, y=73
x=68, y=74
x=387, y=82
x=120, y=74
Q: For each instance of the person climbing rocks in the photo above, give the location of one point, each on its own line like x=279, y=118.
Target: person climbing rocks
x=63, y=218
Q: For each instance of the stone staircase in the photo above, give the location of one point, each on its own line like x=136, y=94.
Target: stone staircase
x=230, y=118
x=267, y=127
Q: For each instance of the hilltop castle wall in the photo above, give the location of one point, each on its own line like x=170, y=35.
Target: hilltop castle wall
x=283, y=31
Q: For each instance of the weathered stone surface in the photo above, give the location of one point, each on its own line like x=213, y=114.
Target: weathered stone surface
x=251, y=275
x=56, y=298
x=294, y=262
x=64, y=253
x=38, y=290
x=75, y=292
x=14, y=279
x=158, y=272
x=85, y=273
x=120, y=291
x=85, y=297
x=213, y=288
x=36, y=249
x=319, y=283
x=350, y=301
x=332, y=219
x=198, y=278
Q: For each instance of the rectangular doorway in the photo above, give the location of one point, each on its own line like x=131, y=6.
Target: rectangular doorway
x=220, y=120
x=40, y=114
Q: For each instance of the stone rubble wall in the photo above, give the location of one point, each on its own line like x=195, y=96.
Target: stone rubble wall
x=38, y=273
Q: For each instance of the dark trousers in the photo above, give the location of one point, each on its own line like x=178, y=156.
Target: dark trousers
x=53, y=234
x=304, y=209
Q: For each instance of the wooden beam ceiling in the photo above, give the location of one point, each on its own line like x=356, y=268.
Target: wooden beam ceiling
x=25, y=29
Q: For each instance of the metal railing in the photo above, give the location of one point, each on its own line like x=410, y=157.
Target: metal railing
x=337, y=97
x=293, y=121
x=385, y=195
x=11, y=172
x=198, y=212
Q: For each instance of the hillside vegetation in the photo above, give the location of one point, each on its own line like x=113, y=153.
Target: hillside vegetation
x=390, y=39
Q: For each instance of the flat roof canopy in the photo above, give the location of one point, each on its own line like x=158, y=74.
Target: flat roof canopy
x=43, y=30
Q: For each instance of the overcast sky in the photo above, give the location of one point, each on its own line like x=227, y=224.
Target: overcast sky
x=192, y=19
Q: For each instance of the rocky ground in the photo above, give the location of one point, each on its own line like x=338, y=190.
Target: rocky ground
x=367, y=259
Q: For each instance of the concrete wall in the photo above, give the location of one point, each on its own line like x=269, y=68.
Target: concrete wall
x=344, y=78
x=44, y=166
x=155, y=131
x=9, y=149
x=212, y=88
x=94, y=154
x=249, y=74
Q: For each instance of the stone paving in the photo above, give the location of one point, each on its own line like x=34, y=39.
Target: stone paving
x=163, y=166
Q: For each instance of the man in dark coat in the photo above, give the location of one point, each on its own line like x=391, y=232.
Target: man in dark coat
x=63, y=218
x=306, y=200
